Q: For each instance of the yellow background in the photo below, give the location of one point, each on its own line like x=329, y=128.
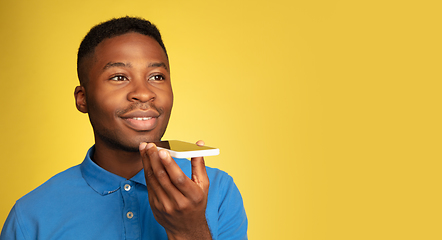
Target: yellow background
x=327, y=113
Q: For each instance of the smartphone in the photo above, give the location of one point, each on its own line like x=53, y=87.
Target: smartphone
x=180, y=149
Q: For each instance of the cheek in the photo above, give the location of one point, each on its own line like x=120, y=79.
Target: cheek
x=166, y=106
x=168, y=98
x=102, y=109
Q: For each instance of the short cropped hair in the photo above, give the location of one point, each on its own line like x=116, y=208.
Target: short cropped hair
x=112, y=28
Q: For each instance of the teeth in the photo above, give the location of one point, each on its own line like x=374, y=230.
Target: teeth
x=142, y=118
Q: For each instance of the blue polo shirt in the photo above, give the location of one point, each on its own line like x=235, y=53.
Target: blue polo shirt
x=88, y=202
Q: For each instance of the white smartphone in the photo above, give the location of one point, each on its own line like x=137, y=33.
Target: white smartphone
x=180, y=149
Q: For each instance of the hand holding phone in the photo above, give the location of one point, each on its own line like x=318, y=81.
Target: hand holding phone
x=185, y=196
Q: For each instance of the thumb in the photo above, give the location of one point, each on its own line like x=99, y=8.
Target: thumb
x=199, y=174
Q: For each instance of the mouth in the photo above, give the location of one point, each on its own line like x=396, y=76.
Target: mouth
x=141, y=123
x=141, y=120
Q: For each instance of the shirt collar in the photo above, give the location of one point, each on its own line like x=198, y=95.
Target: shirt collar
x=102, y=181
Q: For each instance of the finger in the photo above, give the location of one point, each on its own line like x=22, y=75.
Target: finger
x=146, y=162
x=200, y=143
x=150, y=155
x=163, y=179
x=148, y=173
x=199, y=174
x=179, y=180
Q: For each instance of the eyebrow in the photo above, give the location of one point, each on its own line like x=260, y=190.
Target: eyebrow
x=116, y=64
x=122, y=64
x=158, y=64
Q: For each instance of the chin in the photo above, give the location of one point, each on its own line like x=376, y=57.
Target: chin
x=127, y=147
x=128, y=142
x=116, y=143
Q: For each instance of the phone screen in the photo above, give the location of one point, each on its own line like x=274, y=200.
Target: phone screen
x=180, y=146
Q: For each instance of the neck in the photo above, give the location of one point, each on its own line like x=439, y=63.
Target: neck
x=119, y=162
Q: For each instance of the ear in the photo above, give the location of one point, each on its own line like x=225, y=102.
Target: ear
x=80, y=99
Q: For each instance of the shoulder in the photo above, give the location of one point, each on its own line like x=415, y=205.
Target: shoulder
x=41, y=204
x=59, y=184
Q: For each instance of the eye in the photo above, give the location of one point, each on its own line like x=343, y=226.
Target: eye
x=118, y=78
x=157, y=77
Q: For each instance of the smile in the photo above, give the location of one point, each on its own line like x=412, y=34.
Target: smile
x=141, y=118
x=141, y=123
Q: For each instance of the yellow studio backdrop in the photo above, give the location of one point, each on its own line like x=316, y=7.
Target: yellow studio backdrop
x=327, y=113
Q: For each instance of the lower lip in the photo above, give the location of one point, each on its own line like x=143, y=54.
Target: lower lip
x=141, y=125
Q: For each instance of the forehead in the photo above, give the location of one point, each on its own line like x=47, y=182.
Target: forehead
x=130, y=45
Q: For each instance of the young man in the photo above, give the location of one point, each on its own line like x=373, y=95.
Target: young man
x=125, y=188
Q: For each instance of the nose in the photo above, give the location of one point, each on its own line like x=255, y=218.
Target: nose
x=141, y=91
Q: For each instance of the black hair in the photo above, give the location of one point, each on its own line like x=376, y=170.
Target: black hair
x=112, y=28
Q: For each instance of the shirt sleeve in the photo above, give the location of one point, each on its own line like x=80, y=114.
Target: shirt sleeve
x=12, y=229
x=232, y=215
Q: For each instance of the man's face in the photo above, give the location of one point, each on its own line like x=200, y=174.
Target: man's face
x=128, y=94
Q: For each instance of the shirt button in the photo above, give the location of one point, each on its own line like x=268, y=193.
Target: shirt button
x=130, y=215
x=127, y=187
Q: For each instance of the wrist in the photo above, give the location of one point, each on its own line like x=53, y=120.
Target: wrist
x=201, y=233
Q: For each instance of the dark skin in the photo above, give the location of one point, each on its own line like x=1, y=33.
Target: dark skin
x=128, y=97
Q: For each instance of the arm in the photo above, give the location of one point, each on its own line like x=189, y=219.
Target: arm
x=232, y=218
x=178, y=203
x=12, y=229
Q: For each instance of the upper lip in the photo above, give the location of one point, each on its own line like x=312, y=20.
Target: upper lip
x=141, y=114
